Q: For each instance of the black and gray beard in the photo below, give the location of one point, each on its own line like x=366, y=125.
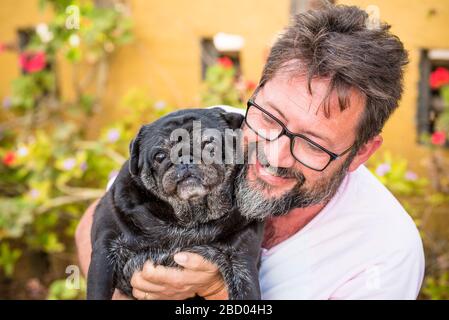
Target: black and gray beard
x=253, y=203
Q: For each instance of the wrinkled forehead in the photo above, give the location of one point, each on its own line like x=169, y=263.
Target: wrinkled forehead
x=170, y=130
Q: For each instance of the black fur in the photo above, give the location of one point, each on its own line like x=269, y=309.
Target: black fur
x=145, y=214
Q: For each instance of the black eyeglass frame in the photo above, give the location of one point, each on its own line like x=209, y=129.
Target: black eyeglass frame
x=291, y=136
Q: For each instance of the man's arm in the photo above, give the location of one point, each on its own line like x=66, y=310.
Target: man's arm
x=198, y=276
x=82, y=237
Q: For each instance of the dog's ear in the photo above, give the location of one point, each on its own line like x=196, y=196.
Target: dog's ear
x=233, y=119
x=134, y=153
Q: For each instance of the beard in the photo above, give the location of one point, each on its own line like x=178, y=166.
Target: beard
x=254, y=203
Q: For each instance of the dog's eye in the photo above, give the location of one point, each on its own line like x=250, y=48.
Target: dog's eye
x=159, y=157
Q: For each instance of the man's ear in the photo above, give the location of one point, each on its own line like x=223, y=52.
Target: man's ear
x=233, y=119
x=134, y=155
x=365, y=152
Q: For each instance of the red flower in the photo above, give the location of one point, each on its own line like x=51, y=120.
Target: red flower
x=438, y=138
x=250, y=85
x=439, y=78
x=32, y=62
x=9, y=158
x=225, y=62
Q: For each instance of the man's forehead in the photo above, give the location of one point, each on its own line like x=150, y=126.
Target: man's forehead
x=295, y=91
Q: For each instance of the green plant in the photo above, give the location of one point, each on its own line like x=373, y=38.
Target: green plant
x=50, y=171
x=397, y=177
x=61, y=290
x=437, y=288
x=222, y=86
x=8, y=258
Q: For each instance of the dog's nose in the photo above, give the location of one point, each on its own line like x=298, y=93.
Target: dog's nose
x=188, y=159
x=182, y=172
x=185, y=168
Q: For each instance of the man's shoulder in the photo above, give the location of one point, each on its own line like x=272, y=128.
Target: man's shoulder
x=365, y=189
x=381, y=210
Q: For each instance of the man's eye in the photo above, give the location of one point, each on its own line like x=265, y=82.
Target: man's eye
x=159, y=157
x=314, y=148
x=267, y=119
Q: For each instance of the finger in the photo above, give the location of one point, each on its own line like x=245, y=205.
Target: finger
x=165, y=276
x=194, y=262
x=142, y=295
x=174, y=278
x=140, y=283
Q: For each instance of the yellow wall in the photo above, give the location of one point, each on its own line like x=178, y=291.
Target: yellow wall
x=165, y=56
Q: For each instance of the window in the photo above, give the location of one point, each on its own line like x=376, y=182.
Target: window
x=210, y=54
x=430, y=103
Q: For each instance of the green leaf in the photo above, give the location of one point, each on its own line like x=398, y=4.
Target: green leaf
x=8, y=258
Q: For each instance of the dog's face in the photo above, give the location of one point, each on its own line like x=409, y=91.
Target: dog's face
x=182, y=159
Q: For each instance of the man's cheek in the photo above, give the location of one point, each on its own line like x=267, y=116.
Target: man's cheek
x=249, y=136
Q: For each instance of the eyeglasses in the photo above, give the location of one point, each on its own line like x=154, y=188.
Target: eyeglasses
x=303, y=149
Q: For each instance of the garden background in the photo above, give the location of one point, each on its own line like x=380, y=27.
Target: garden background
x=77, y=79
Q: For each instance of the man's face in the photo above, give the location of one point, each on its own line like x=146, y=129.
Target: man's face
x=273, y=174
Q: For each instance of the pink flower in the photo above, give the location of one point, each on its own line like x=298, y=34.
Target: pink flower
x=383, y=169
x=69, y=164
x=113, y=135
x=7, y=103
x=411, y=176
x=34, y=193
x=225, y=62
x=32, y=62
x=438, y=138
x=439, y=78
x=9, y=158
x=83, y=166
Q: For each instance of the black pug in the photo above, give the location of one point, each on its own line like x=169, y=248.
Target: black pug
x=156, y=208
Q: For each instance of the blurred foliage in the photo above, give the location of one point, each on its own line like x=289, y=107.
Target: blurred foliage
x=50, y=170
x=437, y=288
x=8, y=258
x=222, y=86
x=420, y=201
x=61, y=290
x=396, y=176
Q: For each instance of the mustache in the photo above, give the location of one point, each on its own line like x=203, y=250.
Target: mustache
x=283, y=172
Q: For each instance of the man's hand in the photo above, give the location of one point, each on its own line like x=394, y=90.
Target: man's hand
x=199, y=276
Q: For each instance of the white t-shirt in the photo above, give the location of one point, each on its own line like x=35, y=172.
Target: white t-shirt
x=362, y=245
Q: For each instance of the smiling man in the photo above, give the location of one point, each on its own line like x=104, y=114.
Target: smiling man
x=331, y=81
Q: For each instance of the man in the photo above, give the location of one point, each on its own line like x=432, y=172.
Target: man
x=331, y=81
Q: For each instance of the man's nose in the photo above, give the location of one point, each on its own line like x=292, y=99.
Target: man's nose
x=278, y=152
